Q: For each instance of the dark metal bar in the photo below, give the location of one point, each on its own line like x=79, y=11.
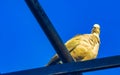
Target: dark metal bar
x=91, y=65
x=49, y=30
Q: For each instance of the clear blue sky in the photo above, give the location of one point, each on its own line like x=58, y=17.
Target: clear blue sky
x=23, y=44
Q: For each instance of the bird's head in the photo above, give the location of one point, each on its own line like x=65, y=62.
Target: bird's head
x=96, y=29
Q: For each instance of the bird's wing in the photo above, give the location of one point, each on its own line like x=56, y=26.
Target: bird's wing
x=70, y=44
x=73, y=42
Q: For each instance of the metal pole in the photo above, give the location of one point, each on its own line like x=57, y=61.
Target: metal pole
x=49, y=30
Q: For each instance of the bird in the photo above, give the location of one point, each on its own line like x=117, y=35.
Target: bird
x=82, y=47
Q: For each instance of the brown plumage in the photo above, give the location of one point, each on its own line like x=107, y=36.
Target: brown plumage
x=82, y=47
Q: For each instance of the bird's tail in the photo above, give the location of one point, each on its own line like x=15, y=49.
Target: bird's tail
x=55, y=60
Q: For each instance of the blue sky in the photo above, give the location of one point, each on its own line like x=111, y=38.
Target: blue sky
x=23, y=44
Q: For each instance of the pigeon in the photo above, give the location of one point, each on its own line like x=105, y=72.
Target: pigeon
x=82, y=47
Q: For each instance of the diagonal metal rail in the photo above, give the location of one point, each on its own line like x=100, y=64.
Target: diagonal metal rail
x=86, y=66
x=50, y=31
